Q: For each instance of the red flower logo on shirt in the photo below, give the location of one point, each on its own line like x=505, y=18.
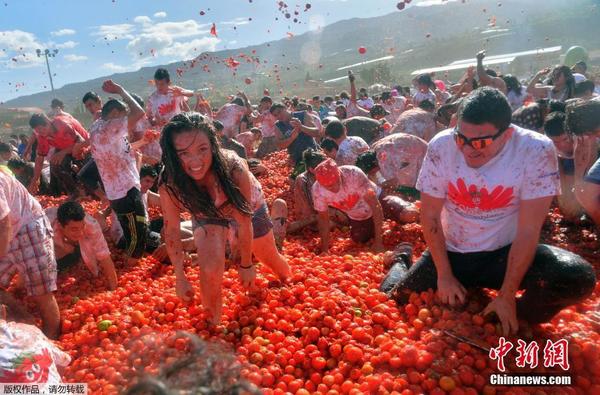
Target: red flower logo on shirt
x=167, y=108
x=471, y=197
x=29, y=368
x=348, y=203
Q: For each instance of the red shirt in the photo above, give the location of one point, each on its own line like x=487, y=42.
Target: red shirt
x=68, y=131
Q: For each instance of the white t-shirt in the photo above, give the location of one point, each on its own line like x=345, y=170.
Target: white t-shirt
x=579, y=77
x=164, y=107
x=481, y=205
x=420, y=96
x=516, y=101
x=230, y=115
x=350, y=149
x=267, y=124
x=395, y=109
x=114, y=157
x=17, y=203
x=92, y=244
x=352, y=110
x=350, y=198
x=27, y=356
x=366, y=103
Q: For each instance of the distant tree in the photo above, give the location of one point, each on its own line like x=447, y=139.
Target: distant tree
x=367, y=75
x=377, y=74
x=307, y=78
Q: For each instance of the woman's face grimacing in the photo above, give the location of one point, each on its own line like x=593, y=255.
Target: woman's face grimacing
x=195, y=153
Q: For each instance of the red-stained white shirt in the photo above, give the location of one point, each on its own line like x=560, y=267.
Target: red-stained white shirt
x=350, y=198
x=92, y=244
x=163, y=107
x=27, y=356
x=230, y=115
x=481, y=205
x=114, y=157
x=16, y=203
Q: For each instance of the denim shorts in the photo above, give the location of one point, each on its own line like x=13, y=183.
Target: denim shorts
x=261, y=222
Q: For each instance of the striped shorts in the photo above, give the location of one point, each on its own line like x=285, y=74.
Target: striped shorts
x=31, y=254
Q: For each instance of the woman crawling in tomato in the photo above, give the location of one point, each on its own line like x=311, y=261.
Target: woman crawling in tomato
x=227, y=206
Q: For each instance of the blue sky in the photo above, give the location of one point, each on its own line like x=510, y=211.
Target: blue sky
x=101, y=37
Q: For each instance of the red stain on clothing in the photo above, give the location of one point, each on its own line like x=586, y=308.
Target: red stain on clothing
x=29, y=369
x=348, y=203
x=472, y=197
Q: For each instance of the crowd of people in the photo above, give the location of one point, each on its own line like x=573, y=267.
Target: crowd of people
x=479, y=163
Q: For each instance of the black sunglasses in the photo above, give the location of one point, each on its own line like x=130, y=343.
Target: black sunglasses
x=477, y=143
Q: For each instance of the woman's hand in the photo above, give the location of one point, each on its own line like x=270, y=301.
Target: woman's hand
x=184, y=289
x=247, y=276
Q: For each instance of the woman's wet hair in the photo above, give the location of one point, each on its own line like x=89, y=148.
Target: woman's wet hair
x=180, y=185
x=512, y=84
x=569, y=79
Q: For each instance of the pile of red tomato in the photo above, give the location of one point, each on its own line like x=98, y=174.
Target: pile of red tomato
x=329, y=331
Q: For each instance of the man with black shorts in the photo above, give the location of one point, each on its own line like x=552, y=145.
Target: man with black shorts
x=486, y=188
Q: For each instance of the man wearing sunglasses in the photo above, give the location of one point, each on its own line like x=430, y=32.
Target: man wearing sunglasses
x=486, y=188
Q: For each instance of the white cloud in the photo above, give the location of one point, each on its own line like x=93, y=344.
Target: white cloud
x=191, y=49
x=144, y=44
x=160, y=14
x=18, y=40
x=75, y=58
x=161, y=39
x=189, y=28
x=115, y=67
x=63, y=32
x=21, y=47
x=67, y=44
x=429, y=3
x=236, y=22
x=232, y=42
x=121, y=31
x=143, y=19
